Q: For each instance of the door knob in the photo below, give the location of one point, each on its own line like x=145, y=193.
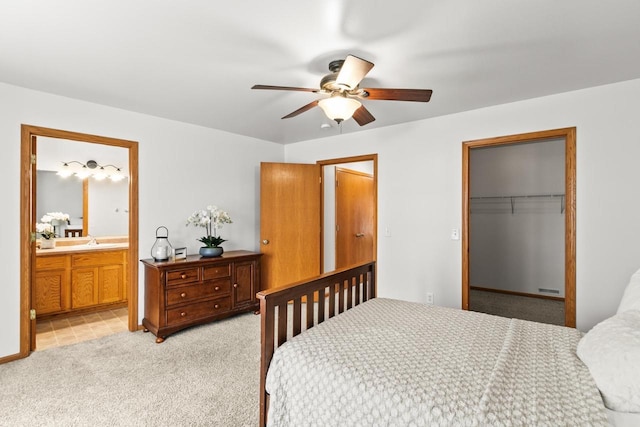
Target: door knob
x=265, y=242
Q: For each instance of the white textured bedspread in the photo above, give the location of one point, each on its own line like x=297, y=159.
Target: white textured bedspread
x=395, y=363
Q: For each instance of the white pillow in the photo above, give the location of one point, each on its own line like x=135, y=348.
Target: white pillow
x=631, y=297
x=611, y=351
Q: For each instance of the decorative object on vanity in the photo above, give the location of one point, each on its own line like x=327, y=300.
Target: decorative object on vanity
x=211, y=219
x=161, y=249
x=198, y=290
x=47, y=235
x=91, y=169
x=56, y=219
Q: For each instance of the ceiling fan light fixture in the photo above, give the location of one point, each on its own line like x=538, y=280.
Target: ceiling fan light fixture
x=338, y=107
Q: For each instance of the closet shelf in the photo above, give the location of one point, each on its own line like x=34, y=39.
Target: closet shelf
x=495, y=201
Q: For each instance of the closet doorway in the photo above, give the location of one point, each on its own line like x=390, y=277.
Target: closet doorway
x=519, y=221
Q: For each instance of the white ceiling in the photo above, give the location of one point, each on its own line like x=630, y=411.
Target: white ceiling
x=195, y=61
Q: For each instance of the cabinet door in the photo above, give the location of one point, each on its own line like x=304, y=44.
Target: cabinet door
x=244, y=284
x=49, y=295
x=84, y=287
x=111, y=284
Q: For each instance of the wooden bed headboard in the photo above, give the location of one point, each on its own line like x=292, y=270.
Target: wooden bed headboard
x=333, y=293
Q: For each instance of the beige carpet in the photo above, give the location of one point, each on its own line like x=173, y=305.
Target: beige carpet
x=516, y=306
x=203, y=376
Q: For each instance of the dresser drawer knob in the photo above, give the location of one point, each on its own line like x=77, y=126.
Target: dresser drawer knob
x=235, y=285
x=183, y=276
x=183, y=295
x=216, y=306
x=183, y=314
x=217, y=288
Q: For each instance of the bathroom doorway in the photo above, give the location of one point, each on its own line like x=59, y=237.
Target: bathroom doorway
x=128, y=269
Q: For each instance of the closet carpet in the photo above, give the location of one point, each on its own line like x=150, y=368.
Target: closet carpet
x=516, y=306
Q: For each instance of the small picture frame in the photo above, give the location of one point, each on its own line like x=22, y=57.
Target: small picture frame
x=180, y=253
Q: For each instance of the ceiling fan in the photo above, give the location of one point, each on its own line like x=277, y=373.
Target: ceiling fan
x=342, y=86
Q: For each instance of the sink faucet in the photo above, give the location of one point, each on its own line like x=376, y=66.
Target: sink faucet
x=92, y=240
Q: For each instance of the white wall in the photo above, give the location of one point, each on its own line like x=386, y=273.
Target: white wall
x=181, y=168
x=518, y=244
x=419, y=191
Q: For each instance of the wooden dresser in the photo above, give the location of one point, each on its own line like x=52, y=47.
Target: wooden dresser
x=184, y=293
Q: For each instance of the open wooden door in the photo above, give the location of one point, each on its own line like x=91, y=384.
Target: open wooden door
x=290, y=231
x=354, y=217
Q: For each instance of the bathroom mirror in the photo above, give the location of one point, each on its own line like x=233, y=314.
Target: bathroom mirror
x=96, y=205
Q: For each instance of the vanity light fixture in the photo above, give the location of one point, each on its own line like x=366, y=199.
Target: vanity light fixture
x=90, y=169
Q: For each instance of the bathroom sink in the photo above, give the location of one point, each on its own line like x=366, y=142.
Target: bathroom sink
x=96, y=245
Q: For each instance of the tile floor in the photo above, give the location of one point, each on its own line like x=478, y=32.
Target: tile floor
x=71, y=330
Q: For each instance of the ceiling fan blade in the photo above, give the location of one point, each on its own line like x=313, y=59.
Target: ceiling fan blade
x=363, y=116
x=418, y=95
x=353, y=71
x=300, y=89
x=301, y=109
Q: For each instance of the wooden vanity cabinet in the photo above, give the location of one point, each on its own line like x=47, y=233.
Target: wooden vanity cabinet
x=80, y=282
x=184, y=293
x=51, y=293
x=97, y=278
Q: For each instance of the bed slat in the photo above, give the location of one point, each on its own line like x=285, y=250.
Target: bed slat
x=297, y=312
x=341, y=297
x=332, y=300
x=310, y=299
x=321, y=304
x=282, y=323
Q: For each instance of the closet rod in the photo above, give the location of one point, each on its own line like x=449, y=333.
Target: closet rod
x=524, y=196
x=529, y=196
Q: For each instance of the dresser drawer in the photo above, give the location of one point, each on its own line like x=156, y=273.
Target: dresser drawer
x=217, y=271
x=187, y=275
x=177, y=295
x=197, y=311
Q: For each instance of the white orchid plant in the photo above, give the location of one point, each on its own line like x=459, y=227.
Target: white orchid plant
x=45, y=230
x=211, y=219
x=51, y=216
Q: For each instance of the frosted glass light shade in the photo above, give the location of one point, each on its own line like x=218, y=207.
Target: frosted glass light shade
x=66, y=171
x=339, y=107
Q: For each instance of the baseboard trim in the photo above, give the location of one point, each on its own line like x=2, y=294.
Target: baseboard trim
x=11, y=358
x=521, y=294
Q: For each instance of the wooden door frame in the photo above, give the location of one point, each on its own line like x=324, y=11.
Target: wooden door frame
x=27, y=223
x=569, y=135
x=354, y=159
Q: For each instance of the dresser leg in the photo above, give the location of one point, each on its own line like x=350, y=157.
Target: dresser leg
x=159, y=340
x=145, y=330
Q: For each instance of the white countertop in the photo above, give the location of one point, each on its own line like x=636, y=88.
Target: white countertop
x=63, y=249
